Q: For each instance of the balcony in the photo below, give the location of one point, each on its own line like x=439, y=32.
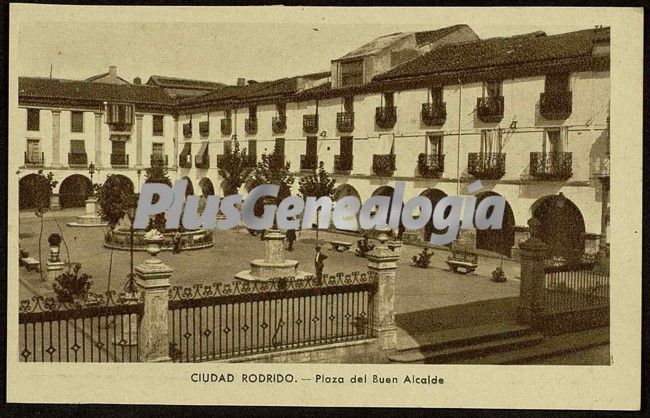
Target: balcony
x=487, y=165
x=386, y=116
x=308, y=162
x=204, y=128
x=35, y=159
x=77, y=159
x=600, y=167
x=276, y=161
x=226, y=126
x=431, y=165
x=310, y=124
x=279, y=125
x=158, y=160
x=345, y=121
x=202, y=161
x=119, y=160
x=250, y=126
x=187, y=130
x=434, y=114
x=343, y=164
x=490, y=109
x=383, y=165
x=556, y=105
x=551, y=165
x=185, y=161
x=221, y=160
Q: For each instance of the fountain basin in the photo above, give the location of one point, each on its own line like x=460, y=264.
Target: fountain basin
x=120, y=239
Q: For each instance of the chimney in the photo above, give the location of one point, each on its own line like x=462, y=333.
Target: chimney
x=112, y=71
x=137, y=80
x=241, y=81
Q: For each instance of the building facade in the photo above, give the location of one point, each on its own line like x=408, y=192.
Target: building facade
x=526, y=115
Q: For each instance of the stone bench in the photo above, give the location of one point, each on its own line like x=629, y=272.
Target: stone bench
x=462, y=260
x=31, y=263
x=340, y=246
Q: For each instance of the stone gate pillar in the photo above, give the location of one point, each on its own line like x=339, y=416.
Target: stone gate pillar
x=152, y=278
x=382, y=266
x=533, y=253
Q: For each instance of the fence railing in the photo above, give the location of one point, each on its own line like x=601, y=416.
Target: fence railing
x=571, y=288
x=104, y=328
x=226, y=320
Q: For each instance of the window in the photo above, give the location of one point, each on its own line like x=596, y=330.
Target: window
x=120, y=114
x=491, y=141
x=157, y=150
x=279, y=146
x=346, y=146
x=389, y=99
x=348, y=104
x=554, y=139
x=77, y=146
x=557, y=83
x=351, y=73
x=33, y=151
x=227, y=147
x=227, y=113
x=252, y=149
x=33, y=120
x=158, y=125
x=436, y=94
x=118, y=148
x=282, y=110
x=252, y=112
x=434, y=143
x=312, y=146
x=492, y=89
x=76, y=121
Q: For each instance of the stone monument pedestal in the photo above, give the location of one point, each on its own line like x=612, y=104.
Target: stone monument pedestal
x=54, y=269
x=273, y=265
x=91, y=217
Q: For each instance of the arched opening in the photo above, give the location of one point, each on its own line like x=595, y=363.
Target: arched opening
x=345, y=190
x=32, y=192
x=388, y=191
x=497, y=240
x=206, y=187
x=562, y=226
x=190, y=187
x=434, y=196
x=74, y=191
x=124, y=179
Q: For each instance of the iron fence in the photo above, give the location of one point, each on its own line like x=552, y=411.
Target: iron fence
x=571, y=288
x=226, y=320
x=104, y=328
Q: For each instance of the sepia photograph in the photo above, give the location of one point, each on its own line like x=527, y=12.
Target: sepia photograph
x=397, y=193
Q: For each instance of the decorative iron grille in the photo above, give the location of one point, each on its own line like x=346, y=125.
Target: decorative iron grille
x=556, y=105
x=345, y=121
x=343, y=163
x=490, y=109
x=383, y=165
x=310, y=123
x=431, y=165
x=434, y=114
x=551, y=165
x=486, y=165
x=386, y=116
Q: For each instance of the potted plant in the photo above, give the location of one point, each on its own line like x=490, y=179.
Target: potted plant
x=72, y=287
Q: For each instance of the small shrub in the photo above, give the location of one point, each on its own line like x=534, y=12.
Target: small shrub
x=72, y=286
x=364, y=246
x=423, y=260
x=498, y=276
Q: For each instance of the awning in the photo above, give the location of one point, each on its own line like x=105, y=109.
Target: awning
x=187, y=149
x=202, y=155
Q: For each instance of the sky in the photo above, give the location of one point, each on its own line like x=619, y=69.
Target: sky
x=220, y=48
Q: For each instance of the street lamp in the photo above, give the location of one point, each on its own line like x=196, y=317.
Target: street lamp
x=130, y=284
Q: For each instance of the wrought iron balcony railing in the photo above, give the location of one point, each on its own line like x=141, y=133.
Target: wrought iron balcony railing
x=279, y=125
x=486, y=165
x=490, y=109
x=35, y=159
x=434, y=114
x=386, y=116
x=310, y=123
x=345, y=121
x=162, y=160
x=202, y=161
x=250, y=126
x=187, y=130
x=185, y=161
x=600, y=167
x=308, y=162
x=276, y=161
x=551, y=165
x=204, y=128
x=556, y=105
x=431, y=165
x=343, y=163
x=383, y=165
x=226, y=126
x=120, y=160
x=78, y=159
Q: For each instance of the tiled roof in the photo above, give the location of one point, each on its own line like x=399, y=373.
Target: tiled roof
x=495, y=52
x=183, y=83
x=53, y=89
x=99, y=78
x=381, y=43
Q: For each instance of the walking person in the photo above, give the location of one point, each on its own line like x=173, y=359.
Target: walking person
x=319, y=260
x=291, y=238
x=177, y=242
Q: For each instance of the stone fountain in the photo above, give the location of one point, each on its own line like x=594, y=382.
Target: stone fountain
x=273, y=265
x=91, y=217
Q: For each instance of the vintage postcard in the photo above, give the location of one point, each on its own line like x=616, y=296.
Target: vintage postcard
x=432, y=207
